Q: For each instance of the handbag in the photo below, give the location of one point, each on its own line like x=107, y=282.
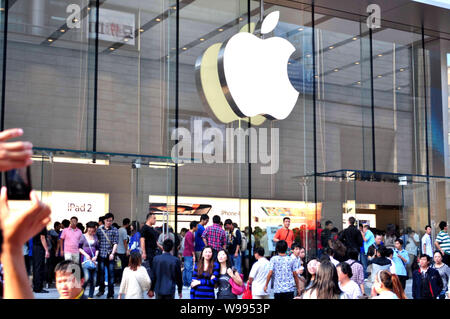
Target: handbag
x=235, y=288
x=247, y=293
x=89, y=264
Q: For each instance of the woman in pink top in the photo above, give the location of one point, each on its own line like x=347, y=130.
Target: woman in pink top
x=189, y=254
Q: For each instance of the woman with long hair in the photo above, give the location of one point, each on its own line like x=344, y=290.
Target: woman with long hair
x=226, y=273
x=135, y=237
x=311, y=270
x=387, y=286
x=444, y=272
x=89, y=249
x=326, y=284
x=135, y=280
x=205, y=276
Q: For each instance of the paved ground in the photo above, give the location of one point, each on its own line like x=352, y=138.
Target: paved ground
x=53, y=294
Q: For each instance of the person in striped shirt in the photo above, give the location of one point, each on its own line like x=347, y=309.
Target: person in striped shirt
x=205, y=276
x=442, y=243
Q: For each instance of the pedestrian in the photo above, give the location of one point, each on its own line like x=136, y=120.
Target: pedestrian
x=40, y=254
x=326, y=285
x=401, y=260
x=282, y=269
x=350, y=288
x=70, y=239
x=234, y=242
x=135, y=238
x=387, y=286
x=215, y=237
x=88, y=248
x=108, y=237
x=284, y=233
x=325, y=236
x=357, y=269
x=390, y=236
x=166, y=274
x=182, y=237
x=444, y=272
x=351, y=237
x=149, y=238
x=369, y=240
x=311, y=268
x=80, y=227
x=189, y=253
x=258, y=275
x=69, y=280
x=427, y=247
x=442, y=243
x=122, y=246
x=226, y=273
x=205, y=276
x=379, y=262
x=135, y=281
x=427, y=283
x=53, y=236
x=412, y=248
x=168, y=234
x=298, y=264
x=199, y=244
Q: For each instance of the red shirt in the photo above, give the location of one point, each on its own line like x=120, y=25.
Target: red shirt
x=189, y=244
x=286, y=235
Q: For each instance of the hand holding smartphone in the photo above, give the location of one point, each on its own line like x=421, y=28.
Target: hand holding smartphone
x=18, y=183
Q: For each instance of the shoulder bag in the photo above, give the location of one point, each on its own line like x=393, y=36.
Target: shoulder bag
x=89, y=264
x=117, y=261
x=235, y=288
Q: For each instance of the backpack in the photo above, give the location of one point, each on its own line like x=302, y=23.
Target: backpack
x=244, y=241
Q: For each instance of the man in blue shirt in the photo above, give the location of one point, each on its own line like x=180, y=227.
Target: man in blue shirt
x=369, y=240
x=401, y=259
x=199, y=244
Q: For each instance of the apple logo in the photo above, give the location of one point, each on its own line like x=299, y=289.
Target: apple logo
x=253, y=73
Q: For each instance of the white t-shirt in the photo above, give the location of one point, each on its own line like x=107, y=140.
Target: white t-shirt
x=386, y=295
x=426, y=239
x=351, y=290
x=259, y=273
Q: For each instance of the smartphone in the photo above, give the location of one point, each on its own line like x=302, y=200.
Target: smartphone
x=18, y=183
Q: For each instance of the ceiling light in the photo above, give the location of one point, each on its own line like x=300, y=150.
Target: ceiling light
x=300, y=29
x=399, y=88
x=201, y=39
x=355, y=38
x=308, y=55
x=50, y=40
x=126, y=39
x=332, y=47
x=240, y=19
x=75, y=20
x=359, y=82
x=184, y=48
x=379, y=76
x=356, y=63
x=401, y=70
x=112, y=49
x=174, y=7
x=335, y=70
x=141, y=30
x=158, y=19
x=380, y=55
x=220, y=30
x=62, y=30
x=316, y=76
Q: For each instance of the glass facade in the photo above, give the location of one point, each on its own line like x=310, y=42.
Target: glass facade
x=100, y=86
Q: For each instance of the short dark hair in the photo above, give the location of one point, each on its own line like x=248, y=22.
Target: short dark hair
x=328, y=222
x=204, y=217
x=126, y=221
x=286, y=218
x=216, y=219
x=281, y=246
x=228, y=222
x=56, y=224
x=353, y=253
x=70, y=267
x=74, y=217
x=65, y=223
x=260, y=251
x=400, y=241
x=101, y=219
x=442, y=225
x=193, y=224
x=149, y=215
x=427, y=227
x=168, y=245
x=352, y=220
x=108, y=216
x=295, y=245
x=425, y=256
x=346, y=269
x=388, y=252
x=90, y=225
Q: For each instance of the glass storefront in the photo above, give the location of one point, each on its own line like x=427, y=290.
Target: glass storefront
x=100, y=86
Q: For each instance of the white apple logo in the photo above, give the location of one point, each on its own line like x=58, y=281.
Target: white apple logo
x=253, y=73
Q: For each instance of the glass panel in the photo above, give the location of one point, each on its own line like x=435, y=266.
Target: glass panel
x=47, y=72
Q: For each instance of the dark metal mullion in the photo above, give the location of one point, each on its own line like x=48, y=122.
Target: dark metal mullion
x=372, y=100
x=314, y=117
x=426, y=125
x=249, y=239
x=97, y=22
x=5, y=43
x=177, y=96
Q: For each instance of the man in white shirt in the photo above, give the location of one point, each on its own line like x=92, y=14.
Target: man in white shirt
x=427, y=247
x=258, y=275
